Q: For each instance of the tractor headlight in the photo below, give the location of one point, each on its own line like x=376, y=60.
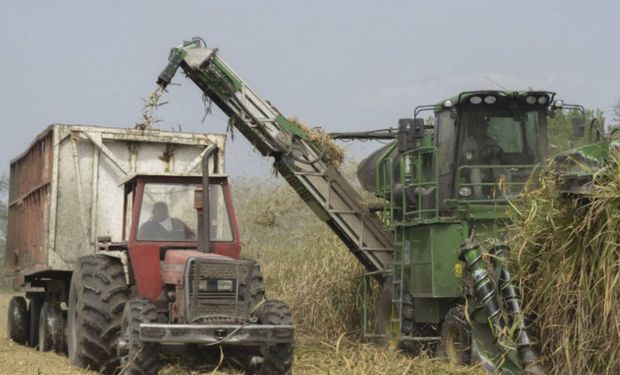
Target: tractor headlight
x=531, y=100
x=448, y=103
x=203, y=285
x=465, y=192
x=558, y=104
x=542, y=100
x=224, y=285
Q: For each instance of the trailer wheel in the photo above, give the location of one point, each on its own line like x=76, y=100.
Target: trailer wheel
x=96, y=300
x=139, y=358
x=34, y=310
x=278, y=358
x=456, y=337
x=18, y=320
x=51, y=328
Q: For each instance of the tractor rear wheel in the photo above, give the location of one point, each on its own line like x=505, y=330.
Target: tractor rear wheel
x=140, y=358
x=18, y=320
x=456, y=337
x=278, y=358
x=51, y=328
x=97, y=297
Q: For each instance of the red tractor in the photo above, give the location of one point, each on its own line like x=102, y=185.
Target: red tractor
x=173, y=281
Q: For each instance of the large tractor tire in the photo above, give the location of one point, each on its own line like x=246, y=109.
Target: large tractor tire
x=51, y=328
x=456, y=337
x=97, y=298
x=139, y=358
x=278, y=358
x=18, y=320
x=256, y=287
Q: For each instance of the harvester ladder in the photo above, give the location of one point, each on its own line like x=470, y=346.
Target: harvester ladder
x=301, y=163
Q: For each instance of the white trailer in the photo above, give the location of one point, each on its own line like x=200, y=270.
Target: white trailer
x=66, y=189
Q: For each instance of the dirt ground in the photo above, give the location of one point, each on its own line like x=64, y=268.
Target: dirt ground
x=312, y=356
x=17, y=359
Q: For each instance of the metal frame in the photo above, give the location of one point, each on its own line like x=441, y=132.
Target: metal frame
x=249, y=334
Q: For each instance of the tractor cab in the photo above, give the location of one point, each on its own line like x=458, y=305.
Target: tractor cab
x=164, y=213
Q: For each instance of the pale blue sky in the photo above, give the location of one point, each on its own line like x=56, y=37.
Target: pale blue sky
x=343, y=65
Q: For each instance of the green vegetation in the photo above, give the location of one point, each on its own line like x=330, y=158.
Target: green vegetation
x=560, y=129
x=567, y=255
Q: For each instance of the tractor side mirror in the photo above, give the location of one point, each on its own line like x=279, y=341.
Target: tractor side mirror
x=579, y=126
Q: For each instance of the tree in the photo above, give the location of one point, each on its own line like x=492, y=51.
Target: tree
x=4, y=182
x=617, y=111
x=560, y=129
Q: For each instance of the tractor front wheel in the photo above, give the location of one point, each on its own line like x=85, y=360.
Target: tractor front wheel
x=139, y=358
x=456, y=337
x=278, y=358
x=18, y=320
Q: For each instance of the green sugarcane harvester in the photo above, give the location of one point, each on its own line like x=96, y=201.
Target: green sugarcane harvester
x=445, y=186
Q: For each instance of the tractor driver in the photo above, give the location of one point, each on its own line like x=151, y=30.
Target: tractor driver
x=162, y=227
x=479, y=148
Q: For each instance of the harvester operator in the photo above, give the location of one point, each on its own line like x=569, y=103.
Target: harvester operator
x=479, y=148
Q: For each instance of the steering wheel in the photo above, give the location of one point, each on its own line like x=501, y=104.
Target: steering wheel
x=491, y=152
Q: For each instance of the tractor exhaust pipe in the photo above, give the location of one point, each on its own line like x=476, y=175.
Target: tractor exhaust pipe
x=204, y=243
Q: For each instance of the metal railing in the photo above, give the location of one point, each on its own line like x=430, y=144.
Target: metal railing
x=414, y=177
x=500, y=189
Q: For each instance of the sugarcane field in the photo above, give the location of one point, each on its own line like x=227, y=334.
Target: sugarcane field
x=339, y=188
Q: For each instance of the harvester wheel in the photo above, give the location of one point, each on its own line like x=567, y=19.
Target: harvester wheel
x=409, y=327
x=385, y=314
x=141, y=358
x=456, y=337
x=96, y=300
x=278, y=358
x=51, y=328
x=18, y=320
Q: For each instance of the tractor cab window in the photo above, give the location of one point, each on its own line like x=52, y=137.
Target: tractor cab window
x=497, y=146
x=167, y=213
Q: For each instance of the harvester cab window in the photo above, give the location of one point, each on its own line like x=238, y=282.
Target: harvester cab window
x=493, y=141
